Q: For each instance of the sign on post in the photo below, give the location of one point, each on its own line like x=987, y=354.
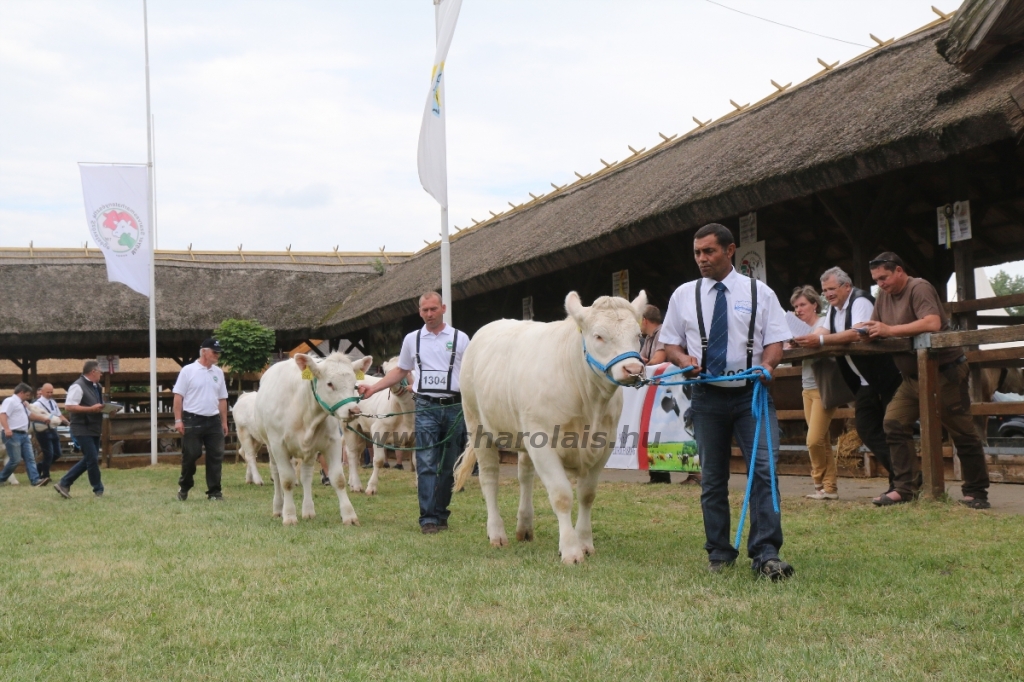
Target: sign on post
x=109, y=364
x=748, y=228
x=620, y=284
x=954, y=222
x=750, y=261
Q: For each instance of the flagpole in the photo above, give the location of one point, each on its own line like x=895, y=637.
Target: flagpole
x=446, y=261
x=153, y=398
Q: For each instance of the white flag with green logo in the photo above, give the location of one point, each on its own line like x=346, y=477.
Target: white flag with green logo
x=117, y=210
x=431, y=157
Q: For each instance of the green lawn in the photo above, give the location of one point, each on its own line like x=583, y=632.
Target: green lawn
x=139, y=586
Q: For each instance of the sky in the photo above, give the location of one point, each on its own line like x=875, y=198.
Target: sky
x=296, y=123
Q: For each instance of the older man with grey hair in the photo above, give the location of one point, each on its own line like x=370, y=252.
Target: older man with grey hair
x=873, y=379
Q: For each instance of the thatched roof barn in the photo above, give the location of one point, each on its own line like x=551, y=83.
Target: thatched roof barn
x=838, y=168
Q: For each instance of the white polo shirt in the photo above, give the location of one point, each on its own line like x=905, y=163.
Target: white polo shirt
x=680, y=327
x=862, y=309
x=435, y=359
x=202, y=389
x=17, y=413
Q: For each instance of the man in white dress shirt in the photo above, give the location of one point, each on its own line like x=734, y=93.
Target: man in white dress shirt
x=201, y=416
x=714, y=324
x=15, y=419
x=49, y=439
x=435, y=353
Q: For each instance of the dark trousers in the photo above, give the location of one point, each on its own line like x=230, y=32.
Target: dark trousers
x=719, y=414
x=435, y=462
x=202, y=432
x=869, y=416
x=49, y=443
x=90, y=463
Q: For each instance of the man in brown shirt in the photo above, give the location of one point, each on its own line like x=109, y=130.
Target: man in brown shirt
x=908, y=306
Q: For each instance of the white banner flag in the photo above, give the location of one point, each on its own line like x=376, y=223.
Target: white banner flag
x=431, y=157
x=117, y=210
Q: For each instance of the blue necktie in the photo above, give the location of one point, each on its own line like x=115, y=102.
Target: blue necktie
x=718, y=340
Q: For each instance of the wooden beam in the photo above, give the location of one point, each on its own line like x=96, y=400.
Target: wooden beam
x=931, y=425
x=313, y=348
x=884, y=346
x=986, y=409
x=992, y=303
x=977, y=337
x=995, y=355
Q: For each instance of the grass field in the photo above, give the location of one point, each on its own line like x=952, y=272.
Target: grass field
x=139, y=586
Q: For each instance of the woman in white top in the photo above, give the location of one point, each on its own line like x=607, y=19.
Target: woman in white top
x=807, y=306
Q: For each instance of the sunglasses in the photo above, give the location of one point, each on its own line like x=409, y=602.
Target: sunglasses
x=881, y=261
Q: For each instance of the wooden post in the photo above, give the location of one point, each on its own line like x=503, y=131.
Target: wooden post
x=931, y=425
x=966, y=290
x=106, y=420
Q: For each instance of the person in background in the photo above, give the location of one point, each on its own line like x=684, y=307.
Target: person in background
x=908, y=306
x=807, y=307
x=15, y=418
x=652, y=352
x=49, y=439
x=84, y=403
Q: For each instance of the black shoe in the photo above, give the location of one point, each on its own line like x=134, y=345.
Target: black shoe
x=64, y=492
x=385, y=465
x=775, y=570
x=442, y=525
x=215, y=498
x=182, y=494
x=324, y=480
x=660, y=477
x=399, y=467
x=97, y=493
x=976, y=503
x=41, y=482
x=430, y=529
x=719, y=565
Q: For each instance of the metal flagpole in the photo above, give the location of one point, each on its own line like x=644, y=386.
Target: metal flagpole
x=153, y=399
x=446, y=262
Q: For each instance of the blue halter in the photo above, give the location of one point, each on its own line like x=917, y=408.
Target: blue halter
x=605, y=370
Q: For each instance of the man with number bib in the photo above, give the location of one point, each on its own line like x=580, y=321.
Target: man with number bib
x=435, y=352
x=725, y=323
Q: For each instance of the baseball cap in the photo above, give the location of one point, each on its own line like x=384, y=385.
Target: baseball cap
x=211, y=343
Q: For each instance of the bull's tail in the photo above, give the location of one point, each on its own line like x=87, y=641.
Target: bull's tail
x=464, y=467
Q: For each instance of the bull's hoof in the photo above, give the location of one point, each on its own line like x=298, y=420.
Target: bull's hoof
x=371, y=492
x=589, y=550
x=277, y=515
x=500, y=541
x=309, y=515
x=350, y=522
x=356, y=488
x=524, y=535
x=290, y=521
x=572, y=557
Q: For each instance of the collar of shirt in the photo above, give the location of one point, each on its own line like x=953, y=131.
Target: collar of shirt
x=731, y=282
x=447, y=331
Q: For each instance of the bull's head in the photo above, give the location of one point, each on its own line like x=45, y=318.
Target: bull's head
x=334, y=381
x=611, y=334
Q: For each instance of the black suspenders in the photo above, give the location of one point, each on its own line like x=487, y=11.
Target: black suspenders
x=750, y=330
x=451, y=361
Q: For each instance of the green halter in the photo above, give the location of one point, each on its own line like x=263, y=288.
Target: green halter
x=332, y=410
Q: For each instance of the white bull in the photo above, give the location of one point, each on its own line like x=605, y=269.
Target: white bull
x=296, y=419
x=379, y=422
x=530, y=384
x=244, y=413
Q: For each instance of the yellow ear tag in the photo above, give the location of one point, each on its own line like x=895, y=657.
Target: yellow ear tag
x=360, y=376
x=307, y=374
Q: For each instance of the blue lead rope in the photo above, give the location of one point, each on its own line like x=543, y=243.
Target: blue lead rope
x=759, y=410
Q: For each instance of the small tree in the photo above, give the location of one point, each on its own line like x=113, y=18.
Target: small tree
x=1004, y=285
x=246, y=346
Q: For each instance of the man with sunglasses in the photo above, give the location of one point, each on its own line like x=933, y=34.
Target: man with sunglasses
x=908, y=306
x=201, y=416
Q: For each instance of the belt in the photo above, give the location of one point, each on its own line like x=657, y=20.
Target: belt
x=441, y=400
x=959, y=361
x=18, y=431
x=200, y=416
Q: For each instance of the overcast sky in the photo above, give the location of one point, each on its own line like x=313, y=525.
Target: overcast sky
x=296, y=122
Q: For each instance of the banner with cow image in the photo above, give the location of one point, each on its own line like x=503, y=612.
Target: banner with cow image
x=652, y=432
x=117, y=210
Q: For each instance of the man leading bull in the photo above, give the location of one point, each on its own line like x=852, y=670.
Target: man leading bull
x=435, y=352
x=734, y=323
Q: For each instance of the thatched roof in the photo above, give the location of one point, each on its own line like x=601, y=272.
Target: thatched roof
x=980, y=30
x=898, y=106
x=58, y=308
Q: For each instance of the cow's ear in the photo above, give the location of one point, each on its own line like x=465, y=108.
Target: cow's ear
x=639, y=304
x=306, y=362
x=363, y=364
x=575, y=308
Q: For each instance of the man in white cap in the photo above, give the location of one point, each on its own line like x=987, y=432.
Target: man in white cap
x=201, y=416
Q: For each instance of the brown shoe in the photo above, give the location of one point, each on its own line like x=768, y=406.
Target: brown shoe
x=429, y=529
